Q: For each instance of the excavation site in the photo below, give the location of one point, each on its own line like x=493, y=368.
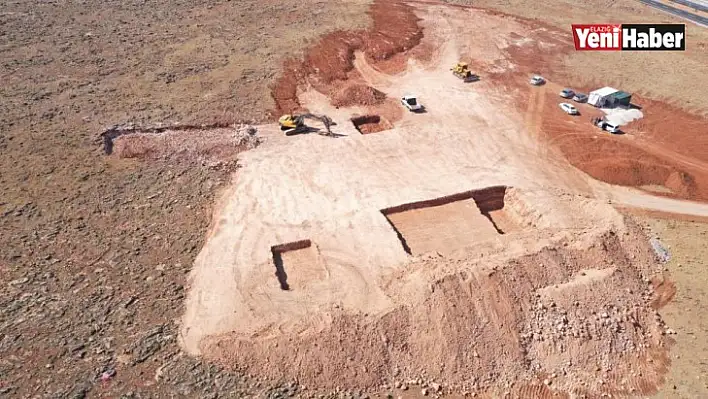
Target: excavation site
x=367, y=124
x=454, y=221
x=353, y=199
x=468, y=249
x=301, y=259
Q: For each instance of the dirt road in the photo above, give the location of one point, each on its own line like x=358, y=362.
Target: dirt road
x=637, y=199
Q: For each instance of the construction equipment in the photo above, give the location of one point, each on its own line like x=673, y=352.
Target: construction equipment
x=462, y=71
x=295, y=124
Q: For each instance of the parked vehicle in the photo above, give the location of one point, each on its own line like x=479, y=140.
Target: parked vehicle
x=606, y=125
x=537, y=80
x=612, y=127
x=411, y=102
x=567, y=93
x=568, y=108
x=580, y=97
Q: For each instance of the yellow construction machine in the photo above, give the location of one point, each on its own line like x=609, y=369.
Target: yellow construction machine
x=462, y=71
x=295, y=124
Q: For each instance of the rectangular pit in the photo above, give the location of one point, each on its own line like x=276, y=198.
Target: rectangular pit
x=367, y=124
x=452, y=222
x=491, y=202
x=301, y=259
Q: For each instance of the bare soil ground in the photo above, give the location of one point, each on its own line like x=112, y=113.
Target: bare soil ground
x=442, y=228
x=212, y=146
x=669, y=77
x=474, y=310
x=688, y=371
x=96, y=249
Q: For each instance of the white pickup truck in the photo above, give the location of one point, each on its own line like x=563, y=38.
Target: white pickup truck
x=411, y=102
x=606, y=125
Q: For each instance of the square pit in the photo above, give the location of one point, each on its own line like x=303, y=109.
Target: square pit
x=297, y=263
x=449, y=223
x=367, y=124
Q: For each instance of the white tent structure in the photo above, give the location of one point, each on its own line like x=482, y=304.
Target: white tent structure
x=602, y=97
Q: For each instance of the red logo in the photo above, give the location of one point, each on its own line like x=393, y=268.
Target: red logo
x=597, y=37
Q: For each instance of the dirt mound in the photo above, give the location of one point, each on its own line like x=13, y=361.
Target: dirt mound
x=544, y=321
x=394, y=30
x=358, y=94
x=627, y=172
x=636, y=173
x=682, y=183
x=613, y=161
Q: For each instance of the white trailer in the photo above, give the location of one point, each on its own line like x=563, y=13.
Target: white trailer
x=602, y=97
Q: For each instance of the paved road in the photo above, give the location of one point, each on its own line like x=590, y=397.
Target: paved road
x=696, y=5
x=637, y=199
x=702, y=21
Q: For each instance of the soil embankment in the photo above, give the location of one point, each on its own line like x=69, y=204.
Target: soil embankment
x=328, y=65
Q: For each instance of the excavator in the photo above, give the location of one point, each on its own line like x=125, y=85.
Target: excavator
x=462, y=71
x=295, y=124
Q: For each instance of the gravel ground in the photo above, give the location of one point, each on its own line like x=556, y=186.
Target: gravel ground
x=96, y=249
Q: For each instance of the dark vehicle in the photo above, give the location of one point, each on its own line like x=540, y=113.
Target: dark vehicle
x=567, y=93
x=580, y=98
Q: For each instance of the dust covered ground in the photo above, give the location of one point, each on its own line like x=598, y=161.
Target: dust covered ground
x=97, y=249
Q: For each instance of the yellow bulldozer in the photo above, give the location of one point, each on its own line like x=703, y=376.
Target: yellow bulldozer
x=295, y=124
x=462, y=71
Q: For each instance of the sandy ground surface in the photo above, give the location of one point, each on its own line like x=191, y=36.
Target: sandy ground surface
x=97, y=249
x=338, y=193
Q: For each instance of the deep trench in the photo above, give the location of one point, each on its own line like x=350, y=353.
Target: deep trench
x=109, y=135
